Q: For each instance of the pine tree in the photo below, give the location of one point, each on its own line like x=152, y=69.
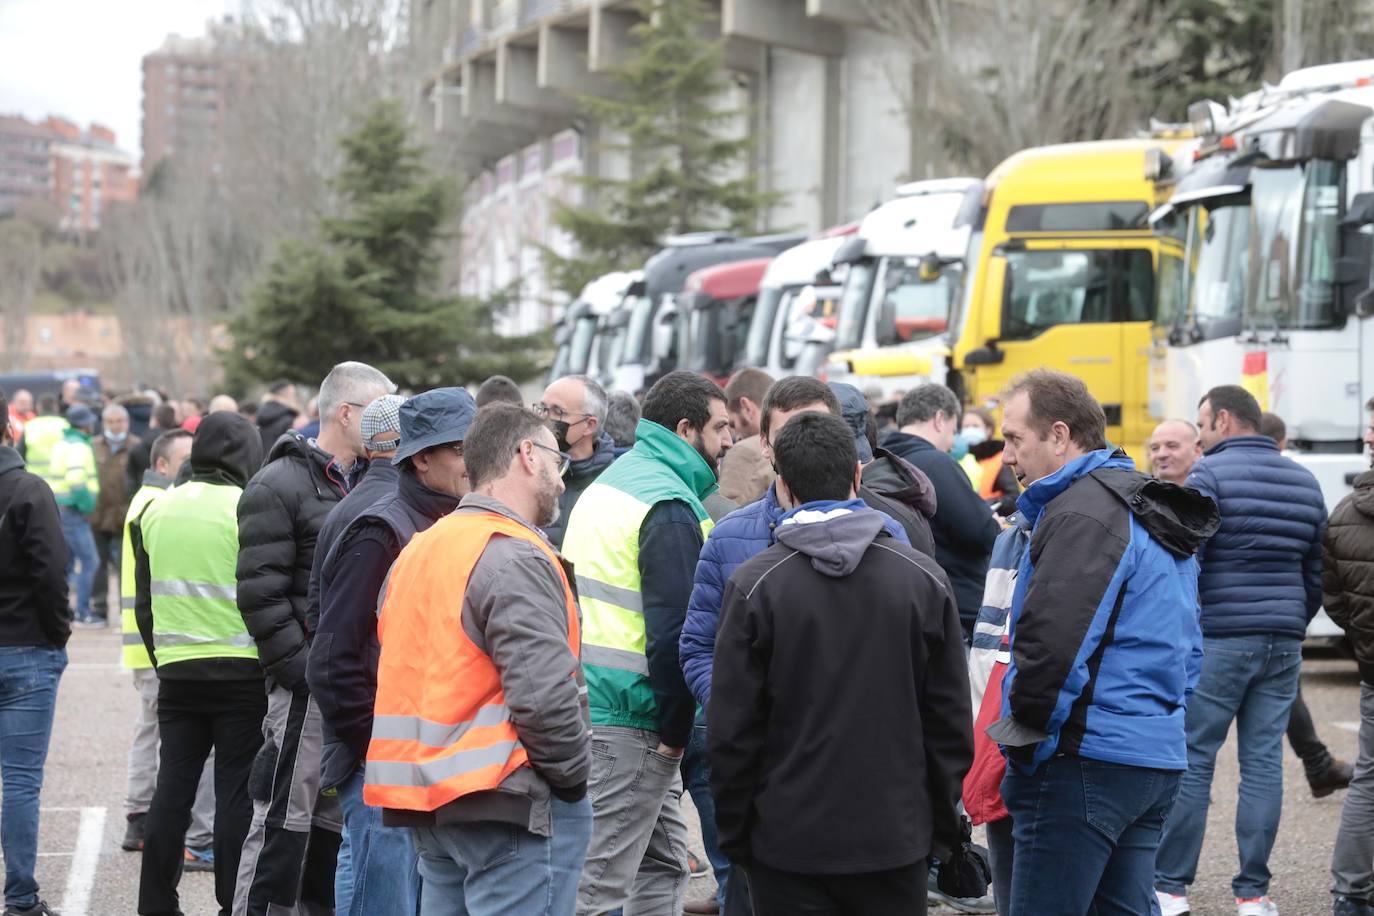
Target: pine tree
x=365, y=288
x=686, y=169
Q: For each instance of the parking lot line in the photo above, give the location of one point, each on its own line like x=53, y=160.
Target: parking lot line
x=81, y=877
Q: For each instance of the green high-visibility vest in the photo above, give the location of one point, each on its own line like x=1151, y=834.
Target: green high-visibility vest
x=40, y=435
x=134, y=655
x=71, y=472
x=191, y=536
x=602, y=541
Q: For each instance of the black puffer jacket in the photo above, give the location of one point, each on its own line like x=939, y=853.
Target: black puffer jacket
x=895, y=486
x=274, y=421
x=280, y=516
x=1348, y=571
x=33, y=560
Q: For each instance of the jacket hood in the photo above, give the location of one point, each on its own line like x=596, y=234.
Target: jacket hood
x=1363, y=497
x=906, y=442
x=835, y=534
x=1178, y=518
x=293, y=443
x=1038, y=495
x=663, y=445
x=227, y=449
x=600, y=458
x=9, y=459
x=273, y=412
x=893, y=476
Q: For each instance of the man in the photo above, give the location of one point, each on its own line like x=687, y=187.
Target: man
x=169, y=453
x=112, y=448
x=480, y=625
x=1348, y=596
x=745, y=473
x=223, y=402
x=1272, y=425
x=1260, y=586
x=1105, y=649
x=377, y=865
x=622, y=416
x=41, y=433
x=380, y=428
x=35, y=624
x=498, y=388
x=633, y=538
x=575, y=409
x=1174, y=449
x=71, y=394
x=277, y=413
x=280, y=516
x=72, y=476
x=164, y=418
x=879, y=780
x=210, y=686
x=20, y=412
x=963, y=526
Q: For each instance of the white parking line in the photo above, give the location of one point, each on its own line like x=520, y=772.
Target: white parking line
x=81, y=876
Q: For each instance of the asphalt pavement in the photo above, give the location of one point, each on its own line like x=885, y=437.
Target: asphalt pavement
x=83, y=872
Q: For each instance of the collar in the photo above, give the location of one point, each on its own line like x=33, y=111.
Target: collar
x=822, y=510
x=152, y=478
x=480, y=502
x=1033, y=500
x=429, y=503
x=1255, y=441
x=668, y=448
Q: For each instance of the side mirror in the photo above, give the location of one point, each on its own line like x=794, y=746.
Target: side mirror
x=852, y=250
x=665, y=335
x=823, y=277
x=985, y=356
x=1364, y=303
x=932, y=266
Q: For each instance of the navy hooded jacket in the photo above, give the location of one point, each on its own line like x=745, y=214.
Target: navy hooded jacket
x=1262, y=572
x=1106, y=644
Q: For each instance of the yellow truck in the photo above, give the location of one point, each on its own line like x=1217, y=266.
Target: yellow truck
x=1062, y=266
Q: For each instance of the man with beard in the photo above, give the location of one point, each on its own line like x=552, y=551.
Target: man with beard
x=634, y=537
x=479, y=626
x=575, y=409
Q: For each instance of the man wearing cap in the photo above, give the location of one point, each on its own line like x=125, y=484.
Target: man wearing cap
x=72, y=475
x=377, y=872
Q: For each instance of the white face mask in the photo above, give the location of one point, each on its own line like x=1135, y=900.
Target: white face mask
x=974, y=435
x=116, y=438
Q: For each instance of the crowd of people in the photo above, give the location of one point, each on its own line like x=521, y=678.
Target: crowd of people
x=442, y=653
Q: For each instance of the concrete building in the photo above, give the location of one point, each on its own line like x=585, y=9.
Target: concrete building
x=81, y=172
x=825, y=87
x=186, y=85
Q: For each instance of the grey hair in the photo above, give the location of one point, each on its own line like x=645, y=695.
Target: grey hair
x=622, y=416
x=115, y=409
x=919, y=405
x=594, y=399
x=351, y=382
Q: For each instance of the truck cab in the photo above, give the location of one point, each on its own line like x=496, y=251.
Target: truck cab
x=1063, y=274
x=576, y=335
x=904, y=269
x=713, y=316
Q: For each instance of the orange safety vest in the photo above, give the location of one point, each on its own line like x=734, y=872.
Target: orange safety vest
x=992, y=466
x=441, y=728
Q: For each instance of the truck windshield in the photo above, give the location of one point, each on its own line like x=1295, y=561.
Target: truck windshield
x=1294, y=243
x=761, y=326
x=858, y=285
x=912, y=308
x=580, y=347
x=1222, y=237
x=1046, y=288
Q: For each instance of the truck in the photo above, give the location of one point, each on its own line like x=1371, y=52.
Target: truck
x=714, y=310
x=1062, y=274
x=904, y=268
x=576, y=334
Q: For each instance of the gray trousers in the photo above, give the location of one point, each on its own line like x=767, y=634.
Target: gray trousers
x=637, y=861
x=1352, y=861
x=143, y=757
x=290, y=855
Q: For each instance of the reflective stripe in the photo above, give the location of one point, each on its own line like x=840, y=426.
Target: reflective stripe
x=133, y=639
x=436, y=734
x=182, y=588
x=627, y=598
x=126, y=603
x=620, y=659
x=433, y=772
x=239, y=641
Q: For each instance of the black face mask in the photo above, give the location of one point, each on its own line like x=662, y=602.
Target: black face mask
x=560, y=430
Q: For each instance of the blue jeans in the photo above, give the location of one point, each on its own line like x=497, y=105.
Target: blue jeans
x=377, y=866
x=1085, y=835
x=696, y=779
x=1252, y=680
x=486, y=868
x=1001, y=847
x=82, y=558
x=28, y=695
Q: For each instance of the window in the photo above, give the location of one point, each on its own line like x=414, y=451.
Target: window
x=1319, y=245
x=1084, y=217
x=911, y=308
x=858, y=286
x=1218, y=291
x=1049, y=288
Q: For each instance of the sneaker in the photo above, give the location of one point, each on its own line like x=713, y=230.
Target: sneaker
x=1336, y=776
x=135, y=832
x=1256, y=906
x=1351, y=906
x=935, y=896
x=199, y=859
x=38, y=909
x=1172, y=904
x=697, y=865
x=88, y=622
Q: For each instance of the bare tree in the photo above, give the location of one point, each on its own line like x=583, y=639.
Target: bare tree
x=991, y=77
x=21, y=268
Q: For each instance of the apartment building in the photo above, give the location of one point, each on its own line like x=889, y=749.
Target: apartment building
x=186, y=85
x=80, y=171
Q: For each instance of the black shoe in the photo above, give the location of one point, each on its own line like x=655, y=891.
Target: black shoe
x=135, y=832
x=1351, y=906
x=1336, y=776
x=38, y=909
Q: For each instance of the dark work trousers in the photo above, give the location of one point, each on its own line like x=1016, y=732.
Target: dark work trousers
x=108, y=547
x=193, y=717
x=1302, y=734
x=896, y=892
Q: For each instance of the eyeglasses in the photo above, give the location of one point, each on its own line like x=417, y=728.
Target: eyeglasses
x=457, y=448
x=564, y=461
x=545, y=411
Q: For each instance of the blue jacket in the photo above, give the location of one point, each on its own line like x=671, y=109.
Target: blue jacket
x=1106, y=644
x=1262, y=572
x=736, y=538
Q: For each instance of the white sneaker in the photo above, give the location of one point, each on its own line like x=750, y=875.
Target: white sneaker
x=1172, y=904
x=1256, y=906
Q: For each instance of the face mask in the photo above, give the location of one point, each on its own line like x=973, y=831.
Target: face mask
x=560, y=430
x=960, y=448
x=974, y=435
x=115, y=438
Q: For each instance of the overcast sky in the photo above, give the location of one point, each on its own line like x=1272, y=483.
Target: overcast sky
x=82, y=59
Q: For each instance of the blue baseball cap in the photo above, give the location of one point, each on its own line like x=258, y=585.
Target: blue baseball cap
x=436, y=417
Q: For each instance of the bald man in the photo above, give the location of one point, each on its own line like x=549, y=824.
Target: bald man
x=1174, y=447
